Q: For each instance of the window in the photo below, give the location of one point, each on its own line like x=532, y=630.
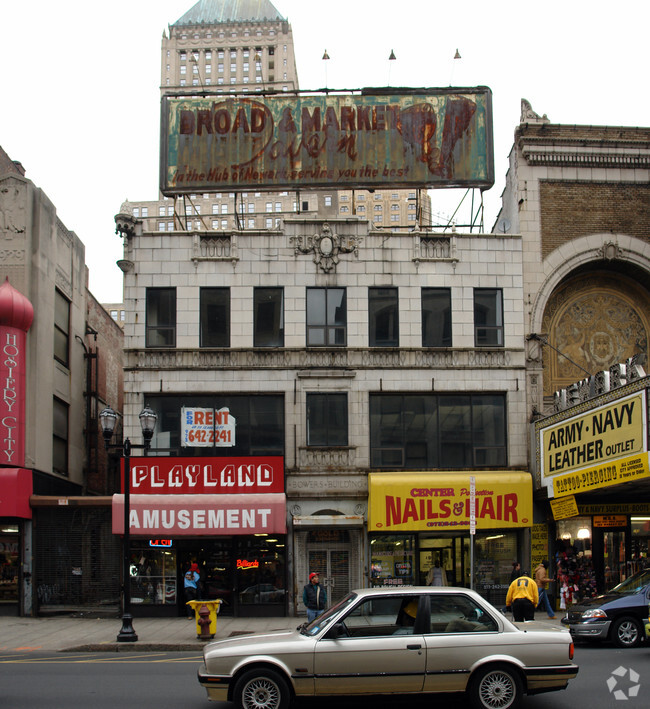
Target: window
x=61, y=328
x=378, y=208
x=361, y=208
x=344, y=208
x=145, y=211
x=328, y=200
x=60, y=437
x=161, y=317
x=327, y=419
x=436, y=317
x=269, y=206
x=326, y=317
x=383, y=317
x=421, y=431
x=215, y=317
x=488, y=317
x=278, y=206
x=268, y=314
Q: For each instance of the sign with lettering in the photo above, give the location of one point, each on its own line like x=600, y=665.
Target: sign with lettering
x=207, y=428
x=12, y=401
x=612, y=473
x=589, y=441
x=441, y=500
x=610, y=521
x=564, y=508
x=404, y=137
x=213, y=475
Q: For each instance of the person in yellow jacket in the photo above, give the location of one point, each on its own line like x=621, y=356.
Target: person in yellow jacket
x=523, y=598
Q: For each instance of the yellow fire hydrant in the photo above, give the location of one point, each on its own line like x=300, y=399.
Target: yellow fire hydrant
x=205, y=613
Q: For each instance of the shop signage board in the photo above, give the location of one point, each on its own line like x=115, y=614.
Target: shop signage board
x=599, y=448
x=614, y=472
x=610, y=521
x=207, y=475
x=564, y=507
x=371, y=138
x=434, y=501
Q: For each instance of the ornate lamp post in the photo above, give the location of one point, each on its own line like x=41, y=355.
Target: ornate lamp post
x=108, y=419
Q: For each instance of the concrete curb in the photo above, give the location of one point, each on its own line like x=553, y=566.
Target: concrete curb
x=137, y=647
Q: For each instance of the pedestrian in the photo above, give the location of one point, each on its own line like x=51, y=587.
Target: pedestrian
x=437, y=576
x=516, y=571
x=314, y=597
x=523, y=598
x=542, y=580
x=191, y=587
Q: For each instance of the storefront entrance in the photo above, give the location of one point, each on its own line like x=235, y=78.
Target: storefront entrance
x=246, y=573
x=328, y=552
x=9, y=565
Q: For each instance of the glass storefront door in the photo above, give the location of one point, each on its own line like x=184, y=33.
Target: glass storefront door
x=9, y=564
x=614, y=558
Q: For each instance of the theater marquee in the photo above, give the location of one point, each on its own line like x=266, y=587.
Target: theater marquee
x=409, y=137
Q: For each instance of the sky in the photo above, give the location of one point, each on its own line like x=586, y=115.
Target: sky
x=80, y=100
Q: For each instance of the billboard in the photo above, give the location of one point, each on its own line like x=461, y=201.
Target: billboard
x=371, y=139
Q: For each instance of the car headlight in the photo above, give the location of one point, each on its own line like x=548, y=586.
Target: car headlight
x=595, y=613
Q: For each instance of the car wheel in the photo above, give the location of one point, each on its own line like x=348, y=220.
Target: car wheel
x=495, y=687
x=626, y=632
x=261, y=689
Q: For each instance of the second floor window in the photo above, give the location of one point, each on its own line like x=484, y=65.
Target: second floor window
x=326, y=317
x=161, y=317
x=327, y=420
x=436, y=317
x=215, y=317
x=60, y=437
x=488, y=317
x=383, y=317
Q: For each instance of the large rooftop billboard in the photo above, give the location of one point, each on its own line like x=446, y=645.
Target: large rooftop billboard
x=371, y=139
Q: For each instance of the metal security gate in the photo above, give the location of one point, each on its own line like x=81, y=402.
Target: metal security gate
x=76, y=559
x=329, y=552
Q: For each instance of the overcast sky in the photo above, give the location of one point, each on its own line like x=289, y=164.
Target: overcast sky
x=80, y=84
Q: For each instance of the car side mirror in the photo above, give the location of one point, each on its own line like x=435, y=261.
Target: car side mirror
x=338, y=630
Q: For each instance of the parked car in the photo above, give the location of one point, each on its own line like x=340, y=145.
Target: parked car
x=393, y=641
x=619, y=615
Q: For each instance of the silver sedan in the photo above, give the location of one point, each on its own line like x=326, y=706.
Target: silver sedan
x=393, y=641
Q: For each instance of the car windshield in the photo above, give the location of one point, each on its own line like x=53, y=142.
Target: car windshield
x=633, y=584
x=325, y=618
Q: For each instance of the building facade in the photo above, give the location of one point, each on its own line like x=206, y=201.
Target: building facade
x=579, y=196
x=327, y=353
x=62, y=363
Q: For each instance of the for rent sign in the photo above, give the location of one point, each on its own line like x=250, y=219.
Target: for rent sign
x=418, y=137
x=588, y=451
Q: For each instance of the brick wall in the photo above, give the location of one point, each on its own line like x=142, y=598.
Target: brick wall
x=573, y=209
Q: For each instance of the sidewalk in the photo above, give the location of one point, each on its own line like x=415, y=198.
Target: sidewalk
x=68, y=634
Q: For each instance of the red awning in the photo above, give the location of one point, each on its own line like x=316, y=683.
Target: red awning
x=201, y=515
x=15, y=490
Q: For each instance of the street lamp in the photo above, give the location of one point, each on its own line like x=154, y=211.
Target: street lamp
x=108, y=419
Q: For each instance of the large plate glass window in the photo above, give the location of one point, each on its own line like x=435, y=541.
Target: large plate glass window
x=488, y=317
x=326, y=317
x=268, y=308
x=436, y=317
x=327, y=420
x=161, y=317
x=383, y=317
x=215, y=317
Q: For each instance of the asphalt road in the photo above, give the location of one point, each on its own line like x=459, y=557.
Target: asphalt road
x=164, y=680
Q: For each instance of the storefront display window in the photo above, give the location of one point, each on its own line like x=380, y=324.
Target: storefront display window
x=640, y=528
x=153, y=575
x=392, y=561
x=260, y=570
x=494, y=554
x=574, y=572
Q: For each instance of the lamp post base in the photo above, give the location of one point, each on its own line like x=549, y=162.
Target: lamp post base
x=127, y=634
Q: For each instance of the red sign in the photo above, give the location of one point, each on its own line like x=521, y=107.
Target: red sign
x=201, y=515
x=201, y=476
x=12, y=401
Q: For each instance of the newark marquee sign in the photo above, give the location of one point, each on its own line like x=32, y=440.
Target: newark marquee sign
x=372, y=138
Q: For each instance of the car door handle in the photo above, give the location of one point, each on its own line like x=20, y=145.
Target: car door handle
x=414, y=647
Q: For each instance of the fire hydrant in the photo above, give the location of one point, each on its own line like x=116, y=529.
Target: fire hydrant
x=206, y=617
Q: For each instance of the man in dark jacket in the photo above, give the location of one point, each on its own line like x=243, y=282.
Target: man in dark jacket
x=314, y=597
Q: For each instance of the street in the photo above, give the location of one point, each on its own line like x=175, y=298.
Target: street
x=167, y=680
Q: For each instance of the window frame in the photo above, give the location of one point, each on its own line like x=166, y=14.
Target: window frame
x=61, y=328
x=490, y=323
x=327, y=425
x=321, y=317
x=166, y=330
x=60, y=437
x=383, y=301
x=431, y=318
x=264, y=336
x=214, y=332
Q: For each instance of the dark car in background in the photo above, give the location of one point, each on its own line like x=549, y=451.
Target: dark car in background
x=619, y=615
